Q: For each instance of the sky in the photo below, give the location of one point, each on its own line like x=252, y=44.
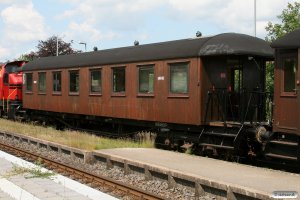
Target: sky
x=117, y=23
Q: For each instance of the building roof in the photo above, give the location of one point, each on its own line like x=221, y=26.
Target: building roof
x=289, y=41
x=222, y=44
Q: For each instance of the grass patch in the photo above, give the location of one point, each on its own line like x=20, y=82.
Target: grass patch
x=74, y=139
x=35, y=172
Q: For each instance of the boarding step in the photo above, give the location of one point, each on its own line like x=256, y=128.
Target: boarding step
x=281, y=142
x=284, y=157
x=217, y=146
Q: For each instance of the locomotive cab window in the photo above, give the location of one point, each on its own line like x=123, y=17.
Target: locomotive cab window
x=56, y=82
x=289, y=74
x=28, y=82
x=146, y=79
x=118, y=75
x=42, y=82
x=95, y=81
x=74, y=81
x=179, y=78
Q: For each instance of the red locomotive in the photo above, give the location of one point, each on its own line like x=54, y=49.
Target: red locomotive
x=11, y=82
x=207, y=93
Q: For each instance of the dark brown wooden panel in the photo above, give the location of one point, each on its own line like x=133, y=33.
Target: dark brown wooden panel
x=162, y=106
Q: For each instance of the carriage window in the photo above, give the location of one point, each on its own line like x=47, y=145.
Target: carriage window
x=42, y=82
x=74, y=81
x=146, y=79
x=119, y=79
x=95, y=81
x=28, y=82
x=290, y=71
x=179, y=77
x=56, y=81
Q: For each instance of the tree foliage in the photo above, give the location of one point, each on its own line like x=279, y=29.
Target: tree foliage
x=49, y=47
x=28, y=57
x=290, y=21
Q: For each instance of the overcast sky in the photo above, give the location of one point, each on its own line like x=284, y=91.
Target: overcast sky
x=117, y=23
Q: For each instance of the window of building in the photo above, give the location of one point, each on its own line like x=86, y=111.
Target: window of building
x=179, y=77
x=28, y=82
x=146, y=79
x=56, y=81
x=118, y=79
x=290, y=74
x=95, y=81
x=42, y=82
x=74, y=81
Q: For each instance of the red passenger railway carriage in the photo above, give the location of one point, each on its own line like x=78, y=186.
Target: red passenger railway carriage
x=207, y=92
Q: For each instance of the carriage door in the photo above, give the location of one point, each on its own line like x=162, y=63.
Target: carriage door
x=288, y=104
x=236, y=88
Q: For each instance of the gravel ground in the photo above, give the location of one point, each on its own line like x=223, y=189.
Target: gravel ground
x=138, y=180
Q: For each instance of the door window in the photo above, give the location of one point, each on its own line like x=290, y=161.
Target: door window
x=289, y=74
x=237, y=79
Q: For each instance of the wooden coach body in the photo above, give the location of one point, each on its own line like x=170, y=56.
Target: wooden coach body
x=180, y=75
x=287, y=83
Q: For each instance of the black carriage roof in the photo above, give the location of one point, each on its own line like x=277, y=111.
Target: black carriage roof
x=222, y=44
x=289, y=41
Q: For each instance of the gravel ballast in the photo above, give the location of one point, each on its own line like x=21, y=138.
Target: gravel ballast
x=159, y=187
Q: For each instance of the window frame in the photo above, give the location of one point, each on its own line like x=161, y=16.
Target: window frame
x=90, y=81
x=118, y=93
x=76, y=92
x=179, y=94
x=39, y=89
x=26, y=82
x=56, y=92
x=145, y=66
x=282, y=84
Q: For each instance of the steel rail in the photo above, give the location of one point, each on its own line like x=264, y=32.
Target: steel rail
x=97, y=181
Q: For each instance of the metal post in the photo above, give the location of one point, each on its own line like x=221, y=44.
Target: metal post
x=84, y=45
x=56, y=45
x=254, y=18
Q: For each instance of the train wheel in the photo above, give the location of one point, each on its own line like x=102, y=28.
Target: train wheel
x=163, y=142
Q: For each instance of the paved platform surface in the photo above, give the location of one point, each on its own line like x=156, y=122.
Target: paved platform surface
x=22, y=187
x=4, y=196
x=254, y=178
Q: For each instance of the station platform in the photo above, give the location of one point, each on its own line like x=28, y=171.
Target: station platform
x=57, y=187
x=249, y=181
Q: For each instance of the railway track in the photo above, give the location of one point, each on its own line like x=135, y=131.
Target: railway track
x=104, y=184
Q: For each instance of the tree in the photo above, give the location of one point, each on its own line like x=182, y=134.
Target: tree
x=290, y=21
x=28, y=57
x=49, y=48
